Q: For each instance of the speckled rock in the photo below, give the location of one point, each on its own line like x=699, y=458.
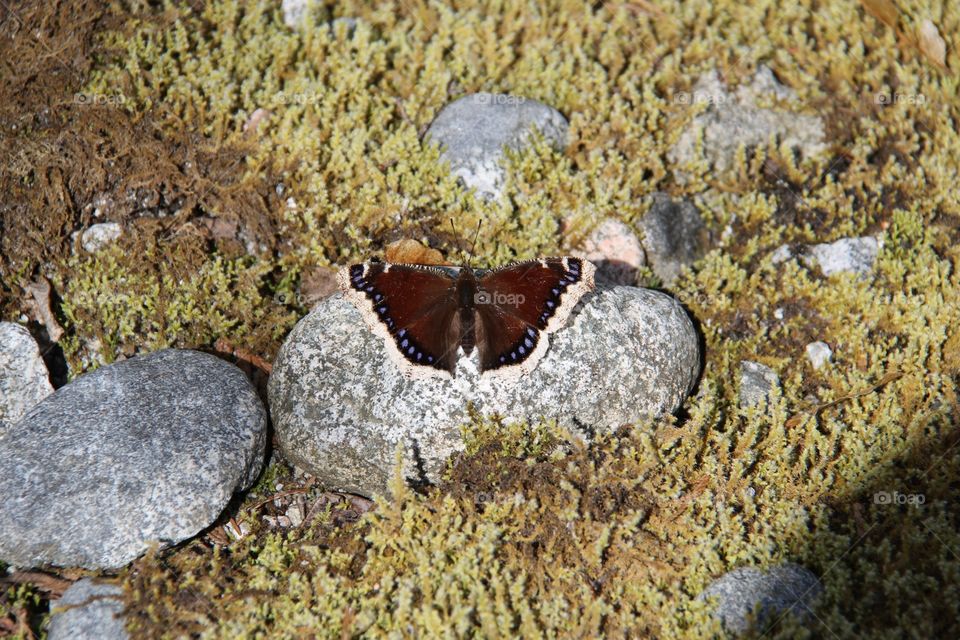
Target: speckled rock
x=732, y=119
x=148, y=449
x=88, y=610
x=757, y=382
x=674, y=236
x=100, y=235
x=474, y=130
x=616, y=251
x=788, y=588
x=340, y=406
x=24, y=380
x=850, y=255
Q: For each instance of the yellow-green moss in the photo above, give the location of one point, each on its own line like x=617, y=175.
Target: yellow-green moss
x=160, y=299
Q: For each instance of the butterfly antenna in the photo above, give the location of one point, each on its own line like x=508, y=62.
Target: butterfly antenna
x=456, y=237
x=473, y=246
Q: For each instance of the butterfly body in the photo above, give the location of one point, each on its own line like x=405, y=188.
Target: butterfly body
x=427, y=314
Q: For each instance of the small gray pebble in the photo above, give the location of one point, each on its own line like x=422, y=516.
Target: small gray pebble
x=847, y=255
x=474, y=130
x=88, y=610
x=100, y=235
x=24, y=380
x=674, y=236
x=757, y=382
x=745, y=590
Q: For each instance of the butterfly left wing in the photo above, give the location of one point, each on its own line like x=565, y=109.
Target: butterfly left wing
x=413, y=308
x=520, y=303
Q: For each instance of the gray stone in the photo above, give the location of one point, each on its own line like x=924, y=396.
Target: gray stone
x=847, y=255
x=819, y=354
x=781, y=254
x=734, y=119
x=616, y=251
x=474, y=130
x=146, y=450
x=674, y=236
x=757, y=382
x=294, y=11
x=788, y=588
x=24, y=380
x=88, y=610
x=340, y=406
x=100, y=235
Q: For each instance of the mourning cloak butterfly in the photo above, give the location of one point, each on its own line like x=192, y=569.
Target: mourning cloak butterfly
x=426, y=313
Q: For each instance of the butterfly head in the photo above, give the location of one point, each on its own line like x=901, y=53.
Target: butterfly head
x=473, y=246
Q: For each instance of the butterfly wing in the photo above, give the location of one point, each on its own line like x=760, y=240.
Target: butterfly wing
x=520, y=303
x=413, y=308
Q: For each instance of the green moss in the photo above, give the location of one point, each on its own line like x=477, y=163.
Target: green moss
x=119, y=302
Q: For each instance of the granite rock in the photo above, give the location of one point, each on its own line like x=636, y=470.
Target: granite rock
x=88, y=610
x=474, y=130
x=732, y=119
x=24, y=380
x=340, y=406
x=788, y=588
x=146, y=450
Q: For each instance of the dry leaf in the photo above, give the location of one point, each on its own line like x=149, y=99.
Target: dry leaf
x=883, y=10
x=408, y=251
x=218, y=228
x=40, y=291
x=931, y=44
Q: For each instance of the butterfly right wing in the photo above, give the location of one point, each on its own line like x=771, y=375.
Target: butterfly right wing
x=413, y=308
x=523, y=302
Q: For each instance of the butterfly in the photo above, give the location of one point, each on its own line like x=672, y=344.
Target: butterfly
x=426, y=313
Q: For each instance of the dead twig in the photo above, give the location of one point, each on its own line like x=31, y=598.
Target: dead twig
x=276, y=496
x=225, y=346
x=817, y=408
x=53, y=585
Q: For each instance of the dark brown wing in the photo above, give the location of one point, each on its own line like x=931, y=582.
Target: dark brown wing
x=413, y=307
x=520, y=303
